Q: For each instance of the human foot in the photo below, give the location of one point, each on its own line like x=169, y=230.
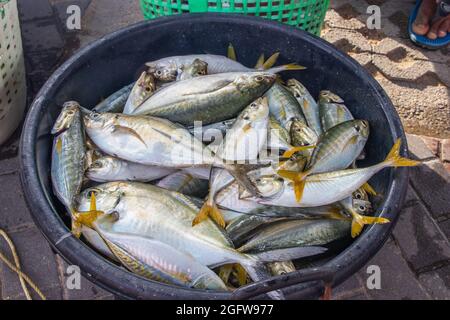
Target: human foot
x=426, y=12
x=439, y=28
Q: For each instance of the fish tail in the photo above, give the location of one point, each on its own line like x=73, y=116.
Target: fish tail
x=299, y=179
x=241, y=274
x=231, y=53
x=369, y=189
x=289, y=153
x=359, y=221
x=270, y=61
x=394, y=159
x=209, y=210
x=240, y=171
x=86, y=218
x=260, y=62
x=286, y=67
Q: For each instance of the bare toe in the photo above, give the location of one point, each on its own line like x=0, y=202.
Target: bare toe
x=426, y=12
x=444, y=27
x=433, y=33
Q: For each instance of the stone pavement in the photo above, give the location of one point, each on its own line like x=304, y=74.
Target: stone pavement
x=414, y=263
x=416, y=80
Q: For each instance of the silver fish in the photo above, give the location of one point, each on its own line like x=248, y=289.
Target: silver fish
x=108, y=168
x=209, y=99
x=68, y=155
x=143, y=89
x=308, y=104
x=332, y=110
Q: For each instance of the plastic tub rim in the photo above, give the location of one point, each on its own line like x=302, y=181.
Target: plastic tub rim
x=133, y=286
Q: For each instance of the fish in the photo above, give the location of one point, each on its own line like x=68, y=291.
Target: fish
x=166, y=216
x=68, y=155
x=109, y=168
x=307, y=103
x=216, y=64
x=209, y=99
x=332, y=110
x=143, y=89
x=309, y=234
x=184, y=183
x=244, y=226
x=284, y=106
x=156, y=260
x=146, y=140
x=198, y=68
x=278, y=137
x=243, y=142
x=116, y=102
x=336, y=149
x=158, y=142
x=326, y=188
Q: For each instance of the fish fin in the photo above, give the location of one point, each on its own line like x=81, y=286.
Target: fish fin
x=231, y=53
x=86, y=218
x=270, y=61
x=76, y=229
x=93, y=204
x=126, y=130
x=286, y=67
x=299, y=180
x=241, y=274
x=368, y=188
x=288, y=253
x=260, y=63
x=289, y=153
x=209, y=210
x=359, y=221
x=225, y=271
x=59, y=145
x=240, y=171
x=394, y=159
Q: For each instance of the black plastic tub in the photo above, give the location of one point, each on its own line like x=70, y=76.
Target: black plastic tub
x=114, y=61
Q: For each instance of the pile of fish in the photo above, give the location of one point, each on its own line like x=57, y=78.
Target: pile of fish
x=208, y=174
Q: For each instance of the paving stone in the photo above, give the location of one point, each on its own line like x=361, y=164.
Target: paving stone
x=41, y=36
x=432, y=143
x=421, y=242
x=348, y=289
x=432, y=183
x=32, y=9
x=9, y=165
x=411, y=197
x=397, y=280
x=445, y=227
x=14, y=213
x=418, y=149
x=87, y=291
x=445, y=150
x=37, y=260
x=437, y=283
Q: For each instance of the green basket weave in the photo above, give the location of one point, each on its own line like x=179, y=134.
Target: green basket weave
x=307, y=15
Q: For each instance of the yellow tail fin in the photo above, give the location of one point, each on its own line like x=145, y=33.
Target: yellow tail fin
x=299, y=179
x=368, y=188
x=359, y=221
x=241, y=274
x=225, y=272
x=231, y=53
x=260, y=62
x=85, y=218
x=289, y=153
x=395, y=160
x=292, y=67
x=209, y=210
x=271, y=61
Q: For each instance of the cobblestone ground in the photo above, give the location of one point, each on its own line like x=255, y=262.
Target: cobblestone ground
x=414, y=263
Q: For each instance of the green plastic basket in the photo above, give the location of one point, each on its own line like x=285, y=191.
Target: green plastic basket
x=307, y=15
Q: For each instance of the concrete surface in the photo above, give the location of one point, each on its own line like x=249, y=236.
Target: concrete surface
x=415, y=261
x=416, y=80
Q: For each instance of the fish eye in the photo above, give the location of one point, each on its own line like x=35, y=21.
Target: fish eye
x=259, y=78
x=148, y=89
x=362, y=208
x=253, y=105
x=96, y=165
x=246, y=117
x=158, y=72
x=365, y=124
x=358, y=196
